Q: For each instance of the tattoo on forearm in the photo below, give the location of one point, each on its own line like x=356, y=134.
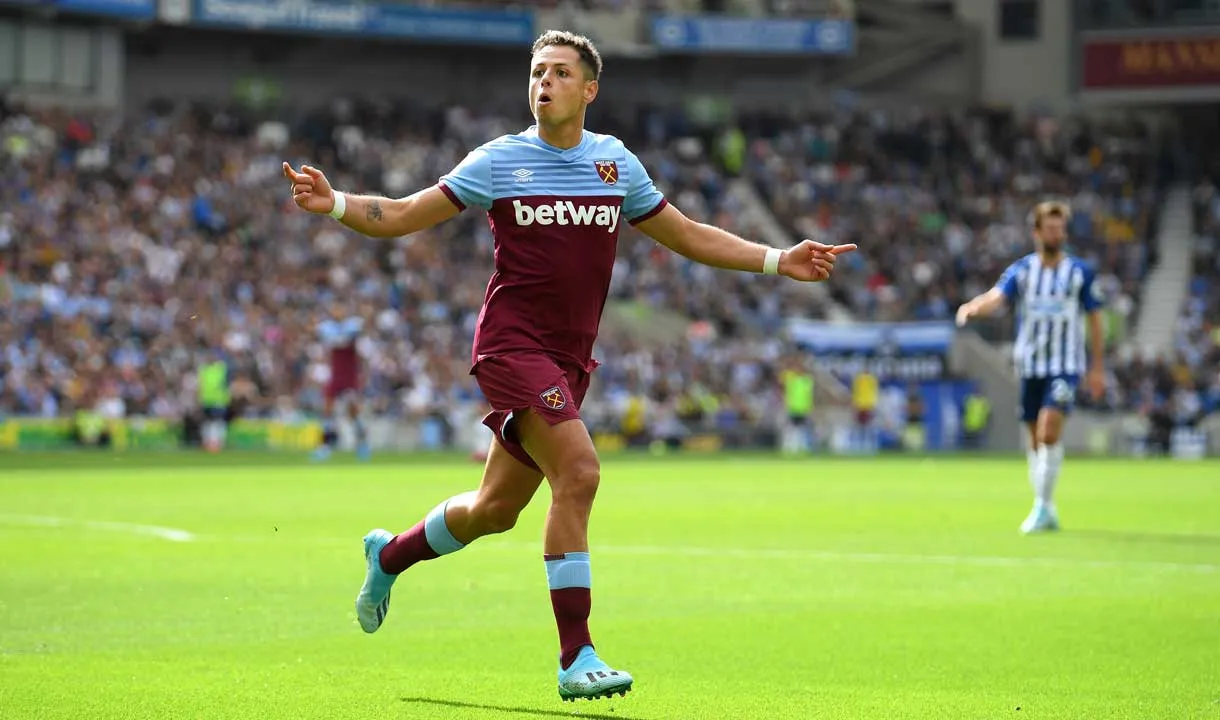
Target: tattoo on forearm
x=373, y=213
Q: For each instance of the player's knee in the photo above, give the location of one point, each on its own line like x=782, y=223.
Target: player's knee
x=577, y=486
x=1048, y=433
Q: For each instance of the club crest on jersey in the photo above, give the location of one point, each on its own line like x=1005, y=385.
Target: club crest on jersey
x=553, y=398
x=607, y=170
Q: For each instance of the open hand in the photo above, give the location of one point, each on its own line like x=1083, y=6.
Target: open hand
x=964, y=313
x=811, y=261
x=310, y=189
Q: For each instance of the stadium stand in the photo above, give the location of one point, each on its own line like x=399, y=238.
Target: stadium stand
x=1178, y=389
x=145, y=243
x=1198, y=331
x=939, y=201
x=158, y=238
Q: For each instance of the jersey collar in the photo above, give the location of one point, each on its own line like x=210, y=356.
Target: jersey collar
x=531, y=136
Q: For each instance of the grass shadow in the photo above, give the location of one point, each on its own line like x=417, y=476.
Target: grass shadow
x=575, y=713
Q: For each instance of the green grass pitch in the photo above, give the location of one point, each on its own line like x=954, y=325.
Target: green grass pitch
x=733, y=588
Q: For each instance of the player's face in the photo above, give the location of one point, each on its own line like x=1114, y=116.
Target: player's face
x=1053, y=234
x=559, y=85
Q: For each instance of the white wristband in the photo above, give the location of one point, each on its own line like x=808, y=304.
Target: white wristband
x=771, y=261
x=340, y=205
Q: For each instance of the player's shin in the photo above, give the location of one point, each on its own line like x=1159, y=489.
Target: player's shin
x=569, y=577
x=1050, y=460
x=428, y=539
x=1031, y=455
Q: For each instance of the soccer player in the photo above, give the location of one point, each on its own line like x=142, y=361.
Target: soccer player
x=339, y=334
x=556, y=197
x=1053, y=293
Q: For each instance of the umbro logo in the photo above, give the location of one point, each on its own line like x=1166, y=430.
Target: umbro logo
x=523, y=175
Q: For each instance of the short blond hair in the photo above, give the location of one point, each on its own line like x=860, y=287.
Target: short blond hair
x=1050, y=208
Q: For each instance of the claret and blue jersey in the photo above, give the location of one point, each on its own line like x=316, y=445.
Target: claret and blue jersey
x=555, y=215
x=1051, y=303
x=340, y=333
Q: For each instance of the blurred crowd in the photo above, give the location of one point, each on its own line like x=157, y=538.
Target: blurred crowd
x=939, y=202
x=1180, y=390
x=133, y=249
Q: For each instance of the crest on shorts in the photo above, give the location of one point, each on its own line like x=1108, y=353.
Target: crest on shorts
x=607, y=170
x=1061, y=392
x=553, y=398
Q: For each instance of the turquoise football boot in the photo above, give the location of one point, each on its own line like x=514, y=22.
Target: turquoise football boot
x=590, y=678
x=373, y=602
x=1041, y=519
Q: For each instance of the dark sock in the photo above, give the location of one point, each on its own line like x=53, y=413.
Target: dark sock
x=571, y=606
x=406, y=549
x=412, y=546
x=569, y=578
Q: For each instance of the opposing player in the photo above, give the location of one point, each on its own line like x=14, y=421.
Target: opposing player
x=556, y=197
x=339, y=334
x=1053, y=293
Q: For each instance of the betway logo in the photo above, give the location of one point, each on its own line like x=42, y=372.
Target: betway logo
x=566, y=212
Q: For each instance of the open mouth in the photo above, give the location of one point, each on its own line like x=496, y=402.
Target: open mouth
x=544, y=99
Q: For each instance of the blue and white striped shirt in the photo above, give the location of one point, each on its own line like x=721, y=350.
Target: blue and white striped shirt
x=1051, y=303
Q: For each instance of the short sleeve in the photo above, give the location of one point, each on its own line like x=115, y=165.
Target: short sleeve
x=643, y=199
x=326, y=331
x=1008, y=284
x=469, y=183
x=1091, y=295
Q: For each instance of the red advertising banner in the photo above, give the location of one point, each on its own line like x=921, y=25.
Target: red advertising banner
x=1159, y=63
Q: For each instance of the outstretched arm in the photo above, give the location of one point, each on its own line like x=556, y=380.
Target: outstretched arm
x=709, y=245
x=981, y=306
x=383, y=217
x=371, y=215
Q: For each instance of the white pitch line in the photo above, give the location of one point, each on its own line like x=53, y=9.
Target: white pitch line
x=880, y=558
x=164, y=533
x=825, y=556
